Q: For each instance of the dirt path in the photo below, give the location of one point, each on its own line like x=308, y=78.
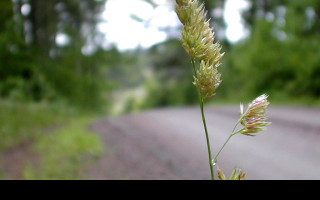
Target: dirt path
x=170, y=144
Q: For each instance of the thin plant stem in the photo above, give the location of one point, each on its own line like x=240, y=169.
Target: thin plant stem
x=232, y=134
x=207, y=138
x=205, y=126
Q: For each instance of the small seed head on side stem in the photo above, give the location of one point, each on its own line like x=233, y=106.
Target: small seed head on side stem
x=254, y=119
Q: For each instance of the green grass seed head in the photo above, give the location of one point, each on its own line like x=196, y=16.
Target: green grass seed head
x=198, y=40
x=207, y=79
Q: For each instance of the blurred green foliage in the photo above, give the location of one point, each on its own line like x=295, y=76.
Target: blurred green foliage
x=20, y=122
x=35, y=67
x=48, y=89
x=281, y=56
x=65, y=152
x=171, y=80
x=57, y=134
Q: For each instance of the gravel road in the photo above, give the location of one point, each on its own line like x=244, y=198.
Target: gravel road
x=170, y=143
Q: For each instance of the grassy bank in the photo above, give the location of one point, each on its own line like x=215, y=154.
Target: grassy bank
x=49, y=141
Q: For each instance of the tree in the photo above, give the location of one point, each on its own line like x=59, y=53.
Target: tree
x=47, y=63
x=282, y=50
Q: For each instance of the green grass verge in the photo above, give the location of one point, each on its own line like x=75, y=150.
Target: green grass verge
x=22, y=122
x=59, y=135
x=66, y=151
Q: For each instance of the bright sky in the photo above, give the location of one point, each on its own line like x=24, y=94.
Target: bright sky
x=232, y=16
x=126, y=32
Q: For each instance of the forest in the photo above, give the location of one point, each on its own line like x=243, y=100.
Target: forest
x=56, y=75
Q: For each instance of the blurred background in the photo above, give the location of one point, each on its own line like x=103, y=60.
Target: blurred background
x=66, y=63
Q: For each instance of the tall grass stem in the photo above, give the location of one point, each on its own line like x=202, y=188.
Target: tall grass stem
x=205, y=125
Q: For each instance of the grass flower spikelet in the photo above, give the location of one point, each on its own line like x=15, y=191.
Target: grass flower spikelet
x=237, y=174
x=197, y=39
x=254, y=119
x=197, y=36
x=207, y=79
